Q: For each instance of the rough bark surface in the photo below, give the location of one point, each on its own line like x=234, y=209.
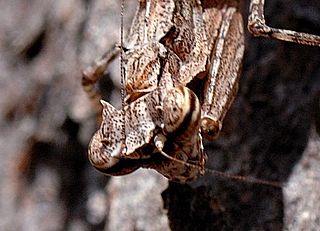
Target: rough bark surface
x=271, y=131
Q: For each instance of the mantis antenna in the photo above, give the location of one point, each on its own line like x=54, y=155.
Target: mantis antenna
x=122, y=91
x=247, y=179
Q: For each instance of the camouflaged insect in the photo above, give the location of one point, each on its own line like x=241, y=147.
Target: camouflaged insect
x=182, y=61
x=165, y=119
x=197, y=41
x=167, y=63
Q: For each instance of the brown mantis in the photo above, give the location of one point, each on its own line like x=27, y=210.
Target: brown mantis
x=182, y=63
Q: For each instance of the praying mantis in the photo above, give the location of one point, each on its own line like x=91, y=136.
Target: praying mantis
x=181, y=67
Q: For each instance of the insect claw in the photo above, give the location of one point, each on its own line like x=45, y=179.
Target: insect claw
x=158, y=107
x=104, y=103
x=210, y=128
x=105, y=141
x=159, y=141
x=123, y=149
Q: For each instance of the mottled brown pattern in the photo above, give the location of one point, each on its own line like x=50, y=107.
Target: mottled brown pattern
x=271, y=130
x=173, y=45
x=257, y=26
x=222, y=84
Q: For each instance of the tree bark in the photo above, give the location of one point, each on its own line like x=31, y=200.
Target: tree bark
x=271, y=131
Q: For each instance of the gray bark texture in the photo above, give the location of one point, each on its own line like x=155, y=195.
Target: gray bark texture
x=46, y=122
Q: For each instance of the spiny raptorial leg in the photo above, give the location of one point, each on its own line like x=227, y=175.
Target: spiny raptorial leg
x=93, y=73
x=257, y=26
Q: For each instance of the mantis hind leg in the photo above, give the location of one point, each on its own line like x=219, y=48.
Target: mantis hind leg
x=257, y=26
x=93, y=73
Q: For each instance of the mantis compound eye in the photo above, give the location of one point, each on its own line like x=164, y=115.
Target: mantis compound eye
x=104, y=156
x=106, y=147
x=210, y=128
x=101, y=156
